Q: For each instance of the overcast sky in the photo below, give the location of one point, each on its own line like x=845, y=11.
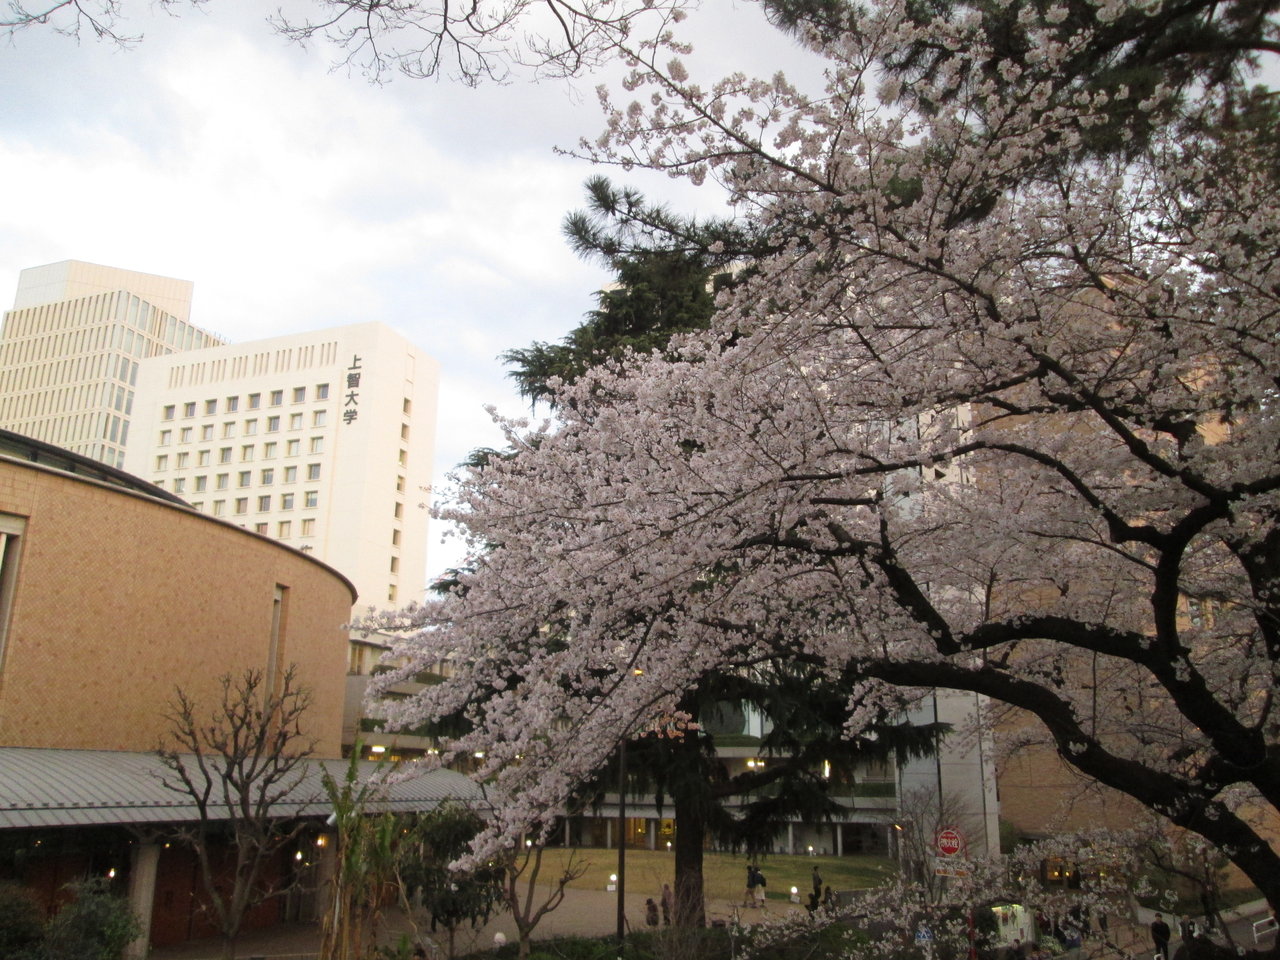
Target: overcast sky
x=298, y=198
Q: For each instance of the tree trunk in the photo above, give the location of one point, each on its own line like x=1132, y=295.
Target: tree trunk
x=690, y=796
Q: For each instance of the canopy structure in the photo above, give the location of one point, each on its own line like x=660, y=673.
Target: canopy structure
x=62, y=788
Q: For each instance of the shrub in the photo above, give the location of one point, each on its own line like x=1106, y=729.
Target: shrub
x=96, y=925
x=21, y=923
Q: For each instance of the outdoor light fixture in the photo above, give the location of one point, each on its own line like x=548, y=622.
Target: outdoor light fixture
x=378, y=749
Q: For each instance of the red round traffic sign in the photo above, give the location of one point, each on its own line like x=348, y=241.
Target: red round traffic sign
x=950, y=842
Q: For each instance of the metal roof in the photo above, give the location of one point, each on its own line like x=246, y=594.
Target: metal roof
x=59, y=788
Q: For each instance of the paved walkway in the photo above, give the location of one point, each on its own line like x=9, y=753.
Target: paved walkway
x=593, y=913
x=586, y=913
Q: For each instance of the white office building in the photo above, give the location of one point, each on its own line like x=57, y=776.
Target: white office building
x=71, y=346
x=321, y=440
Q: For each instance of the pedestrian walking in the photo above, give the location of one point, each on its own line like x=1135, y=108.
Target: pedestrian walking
x=668, y=901
x=817, y=882
x=1160, y=934
x=750, y=898
x=650, y=913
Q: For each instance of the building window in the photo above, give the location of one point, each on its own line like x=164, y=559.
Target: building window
x=250, y=427
x=202, y=458
x=246, y=452
x=12, y=530
x=180, y=485
x=184, y=435
x=228, y=429
x=219, y=507
x=210, y=407
x=162, y=462
x=268, y=477
x=395, y=564
x=317, y=445
x=260, y=528
x=255, y=401
x=398, y=512
x=319, y=418
x=182, y=460
x=404, y=431
x=308, y=527
x=395, y=538
x=224, y=455
x=322, y=391
x=399, y=484
x=299, y=394
x=169, y=409
x=206, y=432
x=391, y=593
x=286, y=501
x=221, y=480
x=273, y=424
x=165, y=437
x=284, y=529
x=293, y=448
x=277, y=397
x=245, y=478
x=313, y=471
x=407, y=406
x=404, y=458
x=290, y=474
x=295, y=421
x=311, y=498
x=189, y=409
x=269, y=450
x=202, y=483
x=264, y=504
x=242, y=504
x=233, y=404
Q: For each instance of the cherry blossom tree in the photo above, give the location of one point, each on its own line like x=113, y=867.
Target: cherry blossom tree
x=997, y=415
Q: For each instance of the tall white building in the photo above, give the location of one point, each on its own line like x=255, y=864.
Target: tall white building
x=71, y=346
x=321, y=440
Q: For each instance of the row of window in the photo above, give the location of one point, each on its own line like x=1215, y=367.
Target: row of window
x=271, y=424
x=240, y=506
x=275, y=398
x=244, y=478
x=270, y=450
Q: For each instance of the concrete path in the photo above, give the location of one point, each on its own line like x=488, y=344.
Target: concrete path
x=586, y=913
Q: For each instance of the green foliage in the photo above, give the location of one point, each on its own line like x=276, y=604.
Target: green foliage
x=451, y=897
x=21, y=926
x=96, y=925
x=659, y=294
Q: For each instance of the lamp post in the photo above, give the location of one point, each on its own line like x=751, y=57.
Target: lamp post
x=622, y=842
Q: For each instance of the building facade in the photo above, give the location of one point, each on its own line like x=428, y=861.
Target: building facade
x=71, y=346
x=113, y=594
x=320, y=440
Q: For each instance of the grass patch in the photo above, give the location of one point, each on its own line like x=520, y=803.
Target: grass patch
x=724, y=874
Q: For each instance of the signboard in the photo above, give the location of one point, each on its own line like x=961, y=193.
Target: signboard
x=950, y=842
x=924, y=935
x=948, y=868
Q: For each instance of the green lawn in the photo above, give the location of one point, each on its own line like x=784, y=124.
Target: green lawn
x=724, y=874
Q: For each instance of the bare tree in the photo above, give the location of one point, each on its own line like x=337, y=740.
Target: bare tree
x=527, y=908
x=472, y=42
x=237, y=764
x=923, y=815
